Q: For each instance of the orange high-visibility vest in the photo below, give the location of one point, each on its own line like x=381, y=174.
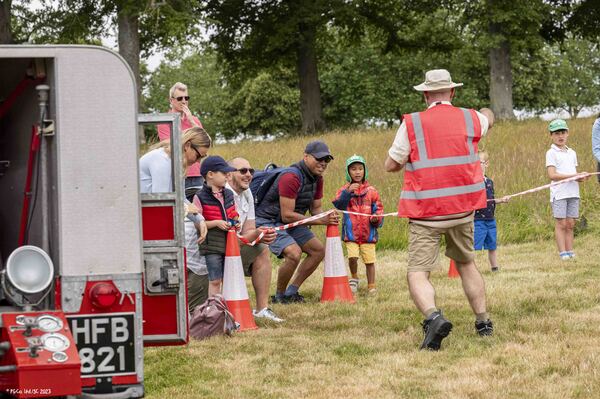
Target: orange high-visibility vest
x=443, y=174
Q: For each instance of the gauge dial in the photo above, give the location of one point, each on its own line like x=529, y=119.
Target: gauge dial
x=49, y=323
x=55, y=342
x=59, y=357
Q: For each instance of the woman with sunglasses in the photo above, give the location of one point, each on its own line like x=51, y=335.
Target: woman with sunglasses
x=179, y=104
x=155, y=165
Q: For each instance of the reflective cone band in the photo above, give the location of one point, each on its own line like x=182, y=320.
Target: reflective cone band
x=234, y=285
x=335, y=283
x=452, y=271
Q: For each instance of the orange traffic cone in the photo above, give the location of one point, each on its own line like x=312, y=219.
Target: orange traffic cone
x=335, y=282
x=453, y=272
x=234, y=285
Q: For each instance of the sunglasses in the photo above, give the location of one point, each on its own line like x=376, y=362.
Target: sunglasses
x=325, y=159
x=200, y=156
x=246, y=170
x=181, y=98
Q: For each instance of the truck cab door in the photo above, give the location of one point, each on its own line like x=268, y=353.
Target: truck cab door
x=164, y=300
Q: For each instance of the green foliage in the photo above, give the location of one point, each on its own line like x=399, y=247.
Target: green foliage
x=262, y=107
x=575, y=75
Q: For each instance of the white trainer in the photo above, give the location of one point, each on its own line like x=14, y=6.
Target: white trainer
x=354, y=285
x=268, y=314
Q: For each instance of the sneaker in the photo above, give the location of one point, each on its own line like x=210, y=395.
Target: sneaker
x=268, y=314
x=294, y=298
x=435, y=329
x=565, y=256
x=495, y=268
x=572, y=255
x=278, y=299
x=372, y=291
x=354, y=285
x=484, y=328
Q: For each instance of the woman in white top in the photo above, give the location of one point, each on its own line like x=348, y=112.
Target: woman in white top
x=155, y=165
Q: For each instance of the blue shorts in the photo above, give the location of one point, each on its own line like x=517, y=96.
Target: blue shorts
x=297, y=235
x=215, y=263
x=485, y=235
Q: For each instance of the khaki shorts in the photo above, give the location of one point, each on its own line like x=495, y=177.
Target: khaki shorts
x=424, y=245
x=366, y=251
x=249, y=254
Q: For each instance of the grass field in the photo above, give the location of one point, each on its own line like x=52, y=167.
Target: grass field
x=546, y=312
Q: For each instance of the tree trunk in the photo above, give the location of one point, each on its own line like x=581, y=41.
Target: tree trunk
x=501, y=81
x=308, y=77
x=5, y=29
x=129, y=48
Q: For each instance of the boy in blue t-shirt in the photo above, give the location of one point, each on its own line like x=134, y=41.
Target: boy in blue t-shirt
x=485, y=222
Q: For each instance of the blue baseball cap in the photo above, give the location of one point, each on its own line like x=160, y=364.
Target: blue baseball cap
x=215, y=163
x=318, y=149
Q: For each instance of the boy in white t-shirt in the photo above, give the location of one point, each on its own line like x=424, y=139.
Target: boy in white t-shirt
x=561, y=163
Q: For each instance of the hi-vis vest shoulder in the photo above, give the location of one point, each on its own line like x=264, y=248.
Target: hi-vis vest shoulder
x=443, y=175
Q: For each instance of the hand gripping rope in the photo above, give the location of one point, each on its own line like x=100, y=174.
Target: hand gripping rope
x=323, y=214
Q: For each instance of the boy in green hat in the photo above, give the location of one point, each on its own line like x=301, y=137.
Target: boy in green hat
x=561, y=163
x=359, y=233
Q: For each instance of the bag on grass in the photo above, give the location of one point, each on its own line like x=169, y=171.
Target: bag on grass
x=212, y=318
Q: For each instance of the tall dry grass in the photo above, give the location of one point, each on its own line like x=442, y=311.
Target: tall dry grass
x=517, y=162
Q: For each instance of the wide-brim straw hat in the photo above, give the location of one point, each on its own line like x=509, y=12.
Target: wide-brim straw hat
x=437, y=80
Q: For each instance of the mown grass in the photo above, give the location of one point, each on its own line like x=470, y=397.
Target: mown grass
x=517, y=162
x=546, y=313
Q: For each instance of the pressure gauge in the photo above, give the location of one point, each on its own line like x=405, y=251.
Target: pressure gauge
x=48, y=323
x=55, y=342
x=59, y=357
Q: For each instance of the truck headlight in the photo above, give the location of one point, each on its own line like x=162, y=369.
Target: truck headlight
x=29, y=270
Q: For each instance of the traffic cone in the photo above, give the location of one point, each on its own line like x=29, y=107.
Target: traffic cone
x=452, y=271
x=335, y=282
x=234, y=285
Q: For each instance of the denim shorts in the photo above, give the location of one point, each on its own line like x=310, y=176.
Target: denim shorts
x=565, y=208
x=485, y=235
x=215, y=263
x=299, y=235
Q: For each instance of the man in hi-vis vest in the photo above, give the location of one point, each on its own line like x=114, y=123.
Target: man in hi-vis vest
x=443, y=186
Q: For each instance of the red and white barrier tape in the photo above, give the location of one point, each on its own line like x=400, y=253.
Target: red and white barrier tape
x=554, y=183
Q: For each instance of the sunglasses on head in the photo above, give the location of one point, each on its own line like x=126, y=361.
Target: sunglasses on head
x=181, y=98
x=246, y=170
x=325, y=159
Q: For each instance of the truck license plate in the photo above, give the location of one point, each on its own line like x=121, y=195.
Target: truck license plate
x=106, y=343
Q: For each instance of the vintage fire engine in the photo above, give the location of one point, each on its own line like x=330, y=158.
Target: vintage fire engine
x=91, y=270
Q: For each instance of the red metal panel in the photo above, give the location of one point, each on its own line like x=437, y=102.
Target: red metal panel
x=160, y=314
x=157, y=223
x=39, y=376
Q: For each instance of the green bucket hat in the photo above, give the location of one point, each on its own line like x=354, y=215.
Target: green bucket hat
x=354, y=159
x=557, y=124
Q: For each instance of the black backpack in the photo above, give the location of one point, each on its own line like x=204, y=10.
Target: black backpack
x=264, y=179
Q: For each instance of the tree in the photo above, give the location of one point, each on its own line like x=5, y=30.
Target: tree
x=6, y=36
x=255, y=34
x=575, y=75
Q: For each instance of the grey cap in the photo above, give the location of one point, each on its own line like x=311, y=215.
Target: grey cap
x=318, y=149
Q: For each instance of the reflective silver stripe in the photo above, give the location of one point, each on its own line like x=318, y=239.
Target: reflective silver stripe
x=470, y=129
x=449, y=161
x=442, y=192
x=419, y=136
x=425, y=162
